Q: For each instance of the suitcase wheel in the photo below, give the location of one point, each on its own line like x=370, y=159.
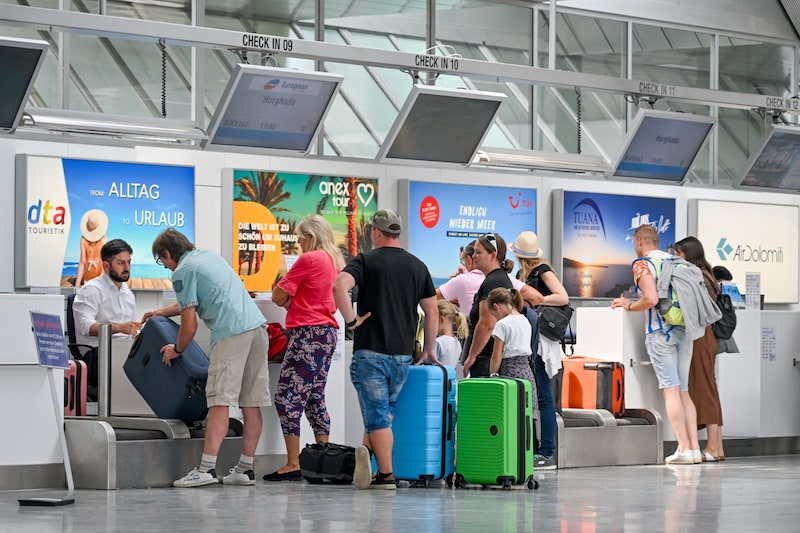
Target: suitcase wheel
x=506, y=484
x=458, y=481
x=449, y=481
x=532, y=484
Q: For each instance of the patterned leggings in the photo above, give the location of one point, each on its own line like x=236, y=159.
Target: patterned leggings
x=304, y=373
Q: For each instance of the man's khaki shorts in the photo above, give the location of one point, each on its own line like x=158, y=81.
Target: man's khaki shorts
x=238, y=373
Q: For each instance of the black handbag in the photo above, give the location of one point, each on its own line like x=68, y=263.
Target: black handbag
x=325, y=461
x=554, y=320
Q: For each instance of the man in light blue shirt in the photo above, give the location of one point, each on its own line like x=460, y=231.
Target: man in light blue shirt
x=207, y=287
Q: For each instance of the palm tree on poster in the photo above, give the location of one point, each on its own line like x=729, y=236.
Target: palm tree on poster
x=353, y=230
x=266, y=188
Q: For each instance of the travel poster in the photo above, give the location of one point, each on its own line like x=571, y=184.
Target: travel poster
x=443, y=217
x=267, y=206
x=69, y=208
x=597, y=240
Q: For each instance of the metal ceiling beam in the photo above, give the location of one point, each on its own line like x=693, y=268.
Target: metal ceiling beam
x=106, y=26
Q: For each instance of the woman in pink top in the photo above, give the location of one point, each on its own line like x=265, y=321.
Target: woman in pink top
x=306, y=291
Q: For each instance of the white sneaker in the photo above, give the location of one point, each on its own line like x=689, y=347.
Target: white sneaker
x=697, y=457
x=362, y=475
x=239, y=478
x=680, y=458
x=196, y=478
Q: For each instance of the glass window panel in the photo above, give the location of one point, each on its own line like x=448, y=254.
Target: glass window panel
x=394, y=82
x=104, y=78
x=590, y=45
x=739, y=132
x=544, y=38
x=410, y=44
x=48, y=4
x=755, y=67
x=602, y=126
x=347, y=133
x=285, y=11
x=495, y=27
x=671, y=56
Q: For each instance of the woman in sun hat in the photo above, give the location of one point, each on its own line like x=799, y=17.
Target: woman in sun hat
x=537, y=272
x=94, y=224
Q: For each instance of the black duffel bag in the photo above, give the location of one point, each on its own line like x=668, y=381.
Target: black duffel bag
x=325, y=461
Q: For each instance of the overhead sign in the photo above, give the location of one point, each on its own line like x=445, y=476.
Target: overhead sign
x=745, y=237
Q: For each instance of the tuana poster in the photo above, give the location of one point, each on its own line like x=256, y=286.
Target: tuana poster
x=67, y=209
x=267, y=206
x=597, y=239
x=443, y=217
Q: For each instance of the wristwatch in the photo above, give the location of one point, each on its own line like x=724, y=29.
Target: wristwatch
x=352, y=323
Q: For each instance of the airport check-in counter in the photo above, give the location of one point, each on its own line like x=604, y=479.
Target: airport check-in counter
x=759, y=387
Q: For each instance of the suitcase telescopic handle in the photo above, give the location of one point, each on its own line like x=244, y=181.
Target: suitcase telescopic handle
x=596, y=366
x=528, y=431
x=451, y=421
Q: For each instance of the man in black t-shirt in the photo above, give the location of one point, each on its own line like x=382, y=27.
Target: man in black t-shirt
x=391, y=283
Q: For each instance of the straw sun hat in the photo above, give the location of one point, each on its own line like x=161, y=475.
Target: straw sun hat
x=527, y=245
x=94, y=224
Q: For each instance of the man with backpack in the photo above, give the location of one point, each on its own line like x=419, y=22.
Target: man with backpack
x=668, y=346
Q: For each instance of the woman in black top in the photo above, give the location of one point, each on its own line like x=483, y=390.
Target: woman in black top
x=490, y=258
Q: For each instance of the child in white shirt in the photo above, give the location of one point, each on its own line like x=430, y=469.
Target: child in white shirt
x=451, y=323
x=511, y=357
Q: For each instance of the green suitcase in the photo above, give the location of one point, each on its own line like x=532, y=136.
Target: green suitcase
x=494, y=434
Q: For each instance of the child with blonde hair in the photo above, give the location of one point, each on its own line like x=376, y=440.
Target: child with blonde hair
x=452, y=322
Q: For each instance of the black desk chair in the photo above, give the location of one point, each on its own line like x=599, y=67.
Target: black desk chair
x=82, y=352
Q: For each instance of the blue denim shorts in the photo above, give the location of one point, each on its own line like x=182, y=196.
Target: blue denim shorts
x=671, y=355
x=378, y=379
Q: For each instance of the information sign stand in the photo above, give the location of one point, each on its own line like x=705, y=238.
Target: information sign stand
x=52, y=349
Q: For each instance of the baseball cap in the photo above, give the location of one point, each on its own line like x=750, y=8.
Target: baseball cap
x=387, y=221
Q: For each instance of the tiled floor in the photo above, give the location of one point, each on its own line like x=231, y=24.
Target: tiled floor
x=741, y=494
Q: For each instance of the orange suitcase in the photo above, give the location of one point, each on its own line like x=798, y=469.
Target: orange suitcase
x=589, y=383
x=75, y=381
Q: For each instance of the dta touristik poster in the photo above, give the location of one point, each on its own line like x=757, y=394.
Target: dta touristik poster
x=68, y=208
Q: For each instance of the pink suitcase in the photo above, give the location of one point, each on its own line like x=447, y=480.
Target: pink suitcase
x=75, y=380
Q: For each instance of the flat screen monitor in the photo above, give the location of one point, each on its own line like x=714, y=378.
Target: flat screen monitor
x=775, y=165
x=441, y=125
x=272, y=108
x=661, y=146
x=20, y=61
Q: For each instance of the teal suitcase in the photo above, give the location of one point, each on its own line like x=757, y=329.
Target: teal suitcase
x=494, y=441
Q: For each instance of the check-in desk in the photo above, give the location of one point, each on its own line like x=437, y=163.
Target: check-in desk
x=759, y=387
x=595, y=437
